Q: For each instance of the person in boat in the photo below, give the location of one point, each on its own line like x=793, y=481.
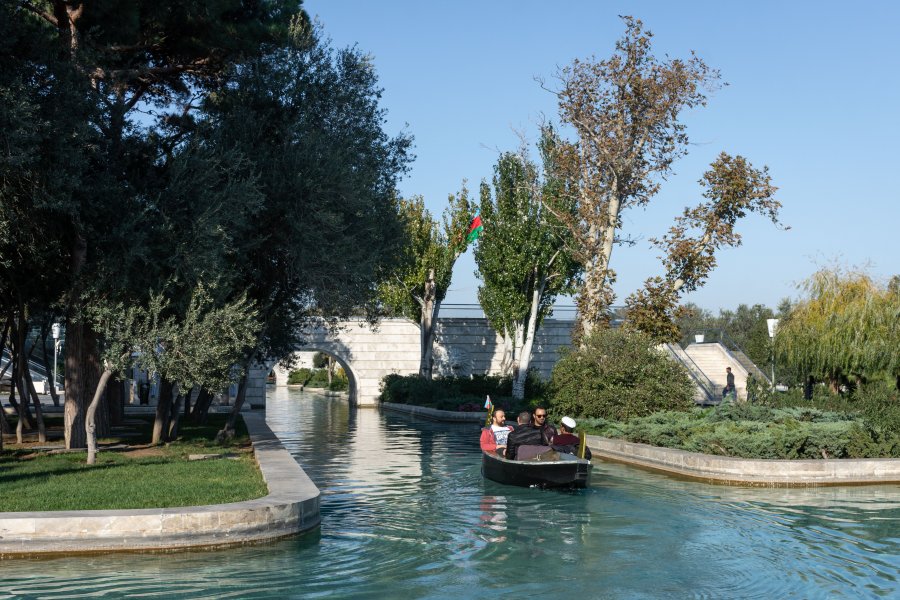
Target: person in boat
x=493, y=438
x=543, y=425
x=566, y=441
x=525, y=434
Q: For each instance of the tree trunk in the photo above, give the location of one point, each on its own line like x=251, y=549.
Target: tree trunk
x=4, y=425
x=163, y=406
x=227, y=432
x=115, y=400
x=176, y=416
x=201, y=407
x=521, y=376
x=74, y=403
x=28, y=384
x=75, y=433
x=90, y=421
x=430, y=308
x=92, y=370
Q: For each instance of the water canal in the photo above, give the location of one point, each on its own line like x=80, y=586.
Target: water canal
x=406, y=514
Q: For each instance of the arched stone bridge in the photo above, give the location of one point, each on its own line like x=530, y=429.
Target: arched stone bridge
x=463, y=346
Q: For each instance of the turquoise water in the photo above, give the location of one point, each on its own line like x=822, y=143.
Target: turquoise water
x=406, y=514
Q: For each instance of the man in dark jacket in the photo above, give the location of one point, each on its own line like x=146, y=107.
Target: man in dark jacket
x=523, y=435
x=541, y=424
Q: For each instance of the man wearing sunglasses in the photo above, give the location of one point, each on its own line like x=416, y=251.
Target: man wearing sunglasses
x=541, y=424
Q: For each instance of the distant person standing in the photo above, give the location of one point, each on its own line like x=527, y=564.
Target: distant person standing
x=808, y=388
x=729, y=390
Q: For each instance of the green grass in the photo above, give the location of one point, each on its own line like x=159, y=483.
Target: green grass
x=35, y=481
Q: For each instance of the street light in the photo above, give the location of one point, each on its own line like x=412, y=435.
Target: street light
x=55, y=329
x=773, y=328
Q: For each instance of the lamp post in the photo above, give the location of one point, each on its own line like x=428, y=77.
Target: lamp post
x=55, y=330
x=773, y=328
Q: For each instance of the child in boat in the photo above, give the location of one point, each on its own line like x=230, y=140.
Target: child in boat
x=493, y=438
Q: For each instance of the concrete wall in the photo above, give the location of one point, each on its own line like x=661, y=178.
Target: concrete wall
x=463, y=346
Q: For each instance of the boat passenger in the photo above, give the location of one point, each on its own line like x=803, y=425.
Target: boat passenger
x=541, y=424
x=493, y=439
x=566, y=441
x=523, y=435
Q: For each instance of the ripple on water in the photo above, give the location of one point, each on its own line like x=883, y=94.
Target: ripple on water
x=406, y=513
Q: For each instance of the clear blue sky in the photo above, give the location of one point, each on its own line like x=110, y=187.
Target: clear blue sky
x=814, y=93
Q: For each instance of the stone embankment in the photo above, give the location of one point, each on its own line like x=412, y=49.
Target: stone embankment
x=292, y=506
x=714, y=469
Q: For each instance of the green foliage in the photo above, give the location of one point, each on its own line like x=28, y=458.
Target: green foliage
x=625, y=111
x=429, y=245
x=460, y=393
x=618, y=375
x=847, y=328
x=525, y=248
x=748, y=431
x=299, y=376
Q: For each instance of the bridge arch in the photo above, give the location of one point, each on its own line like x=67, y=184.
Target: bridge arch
x=463, y=346
x=341, y=355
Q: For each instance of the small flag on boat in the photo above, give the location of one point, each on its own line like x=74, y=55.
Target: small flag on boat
x=487, y=403
x=475, y=228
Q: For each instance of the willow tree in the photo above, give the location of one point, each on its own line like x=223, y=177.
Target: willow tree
x=524, y=260
x=846, y=330
x=625, y=111
x=418, y=286
x=733, y=189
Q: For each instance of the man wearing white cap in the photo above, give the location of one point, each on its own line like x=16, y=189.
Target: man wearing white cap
x=566, y=441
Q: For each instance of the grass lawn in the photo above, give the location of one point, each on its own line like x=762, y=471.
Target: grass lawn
x=132, y=474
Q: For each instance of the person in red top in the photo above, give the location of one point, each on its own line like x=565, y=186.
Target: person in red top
x=493, y=438
x=566, y=441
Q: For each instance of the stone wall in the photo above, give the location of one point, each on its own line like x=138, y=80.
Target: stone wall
x=463, y=346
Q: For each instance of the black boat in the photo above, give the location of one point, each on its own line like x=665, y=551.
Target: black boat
x=549, y=470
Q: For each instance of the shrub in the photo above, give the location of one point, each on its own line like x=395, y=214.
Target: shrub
x=756, y=432
x=454, y=393
x=880, y=404
x=299, y=376
x=618, y=375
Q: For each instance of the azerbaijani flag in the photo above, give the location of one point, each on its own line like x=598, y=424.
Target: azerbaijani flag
x=475, y=229
x=488, y=403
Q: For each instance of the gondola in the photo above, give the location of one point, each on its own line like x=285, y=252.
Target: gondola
x=549, y=470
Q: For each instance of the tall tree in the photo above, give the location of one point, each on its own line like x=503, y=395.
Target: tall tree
x=846, y=330
x=326, y=231
x=733, y=188
x=524, y=260
x=418, y=286
x=160, y=56
x=625, y=111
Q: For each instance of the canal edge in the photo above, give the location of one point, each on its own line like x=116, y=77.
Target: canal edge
x=291, y=507
x=710, y=468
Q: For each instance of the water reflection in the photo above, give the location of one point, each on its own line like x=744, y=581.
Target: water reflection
x=407, y=514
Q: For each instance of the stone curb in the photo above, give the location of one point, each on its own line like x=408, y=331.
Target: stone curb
x=744, y=471
x=433, y=414
x=711, y=468
x=291, y=507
